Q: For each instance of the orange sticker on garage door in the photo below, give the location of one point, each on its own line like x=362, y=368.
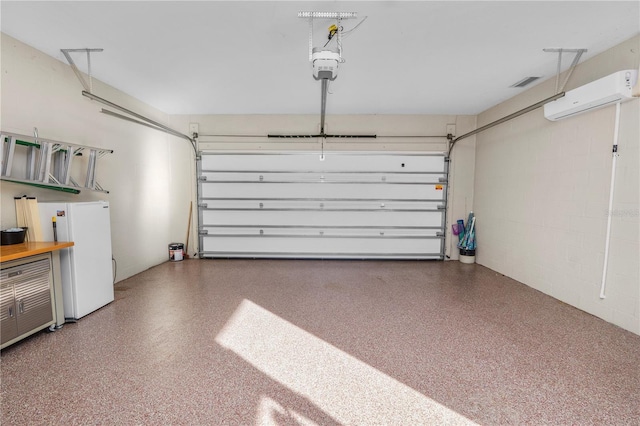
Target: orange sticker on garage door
x=438, y=187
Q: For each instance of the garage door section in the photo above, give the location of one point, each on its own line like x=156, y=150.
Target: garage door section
x=349, y=205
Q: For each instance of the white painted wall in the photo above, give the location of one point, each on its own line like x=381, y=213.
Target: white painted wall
x=542, y=191
x=254, y=126
x=149, y=175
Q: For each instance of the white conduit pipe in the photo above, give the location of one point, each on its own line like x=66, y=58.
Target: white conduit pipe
x=610, y=210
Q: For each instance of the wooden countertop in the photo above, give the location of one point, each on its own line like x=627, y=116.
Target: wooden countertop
x=18, y=251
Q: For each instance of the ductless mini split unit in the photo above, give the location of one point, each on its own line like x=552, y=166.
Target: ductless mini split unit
x=608, y=90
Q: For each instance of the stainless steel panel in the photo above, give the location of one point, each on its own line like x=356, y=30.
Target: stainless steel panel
x=8, y=320
x=29, y=284
x=33, y=296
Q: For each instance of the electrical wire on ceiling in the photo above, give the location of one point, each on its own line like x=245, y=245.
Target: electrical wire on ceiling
x=333, y=31
x=347, y=32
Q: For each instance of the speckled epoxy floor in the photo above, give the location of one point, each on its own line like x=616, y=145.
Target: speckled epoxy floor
x=325, y=342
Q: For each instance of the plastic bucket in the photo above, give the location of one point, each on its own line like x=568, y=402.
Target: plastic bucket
x=467, y=256
x=176, y=252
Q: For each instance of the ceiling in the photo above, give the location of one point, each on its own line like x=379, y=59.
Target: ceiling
x=240, y=57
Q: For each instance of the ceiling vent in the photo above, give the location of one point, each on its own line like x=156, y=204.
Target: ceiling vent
x=525, y=81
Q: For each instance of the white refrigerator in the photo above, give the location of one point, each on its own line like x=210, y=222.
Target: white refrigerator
x=85, y=268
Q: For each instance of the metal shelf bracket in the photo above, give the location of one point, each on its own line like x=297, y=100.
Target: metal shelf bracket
x=576, y=58
x=88, y=86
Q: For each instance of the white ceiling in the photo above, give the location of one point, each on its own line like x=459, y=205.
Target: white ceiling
x=419, y=57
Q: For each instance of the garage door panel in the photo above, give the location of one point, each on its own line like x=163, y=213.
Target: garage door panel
x=322, y=218
x=320, y=204
x=329, y=232
x=323, y=177
x=331, y=162
x=321, y=245
x=377, y=191
x=350, y=205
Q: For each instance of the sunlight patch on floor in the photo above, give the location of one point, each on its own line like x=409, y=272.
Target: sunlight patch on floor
x=270, y=412
x=345, y=388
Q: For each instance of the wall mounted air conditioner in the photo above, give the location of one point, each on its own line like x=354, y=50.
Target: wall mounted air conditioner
x=597, y=94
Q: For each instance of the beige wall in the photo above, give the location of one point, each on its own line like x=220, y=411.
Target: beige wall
x=542, y=192
x=539, y=189
x=149, y=175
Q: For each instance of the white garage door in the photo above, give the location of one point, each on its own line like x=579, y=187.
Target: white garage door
x=307, y=205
